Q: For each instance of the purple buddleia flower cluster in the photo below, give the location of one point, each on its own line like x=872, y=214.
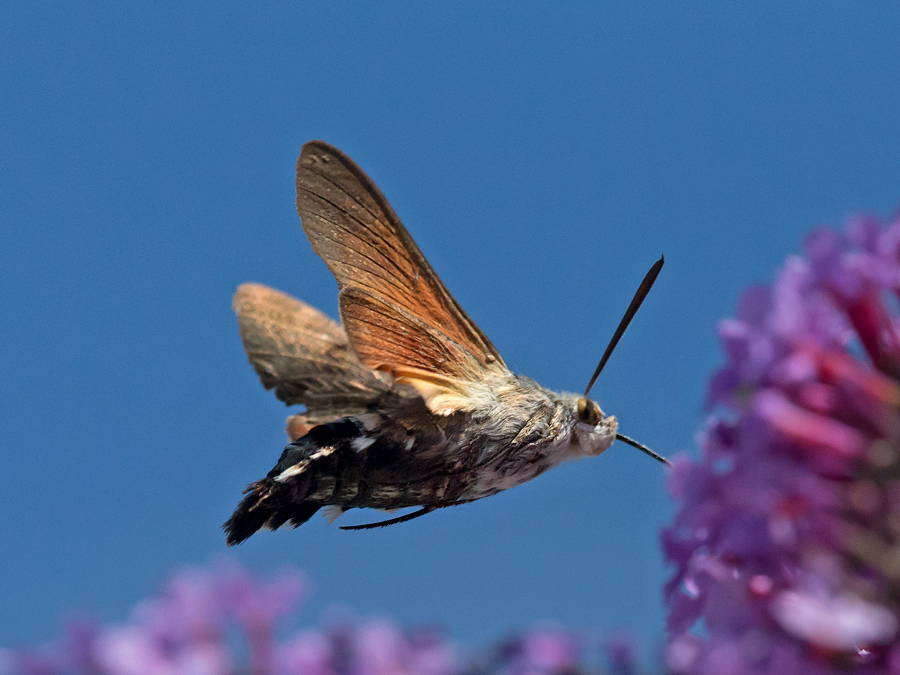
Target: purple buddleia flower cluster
x=222, y=621
x=787, y=537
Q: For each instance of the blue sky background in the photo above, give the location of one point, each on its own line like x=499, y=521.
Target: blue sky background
x=542, y=154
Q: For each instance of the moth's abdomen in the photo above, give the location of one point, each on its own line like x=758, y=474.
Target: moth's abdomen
x=257, y=510
x=303, y=478
x=341, y=463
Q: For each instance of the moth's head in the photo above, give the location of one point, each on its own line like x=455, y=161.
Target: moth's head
x=592, y=428
x=594, y=432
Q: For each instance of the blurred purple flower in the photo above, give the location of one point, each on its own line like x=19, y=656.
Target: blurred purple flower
x=191, y=627
x=787, y=541
x=546, y=652
x=622, y=655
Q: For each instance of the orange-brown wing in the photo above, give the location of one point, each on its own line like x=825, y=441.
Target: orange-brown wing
x=305, y=356
x=398, y=314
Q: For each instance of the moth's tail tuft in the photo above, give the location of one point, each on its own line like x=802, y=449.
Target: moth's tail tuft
x=258, y=510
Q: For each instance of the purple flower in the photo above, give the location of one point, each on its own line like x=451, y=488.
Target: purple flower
x=222, y=621
x=187, y=629
x=787, y=541
x=548, y=652
x=621, y=652
x=184, y=629
x=309, y=652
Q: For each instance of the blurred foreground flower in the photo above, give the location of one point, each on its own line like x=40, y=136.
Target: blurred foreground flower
x=787, y=541
x=224, y=622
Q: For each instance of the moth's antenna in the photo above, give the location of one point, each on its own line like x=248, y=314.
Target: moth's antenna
x=643, y=448
x=636, y=301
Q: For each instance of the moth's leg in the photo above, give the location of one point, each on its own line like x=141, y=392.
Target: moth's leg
x=408, y=516
x=392, y=521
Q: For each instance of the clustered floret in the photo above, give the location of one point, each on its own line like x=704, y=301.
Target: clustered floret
x=222, y=621
x=787, y=540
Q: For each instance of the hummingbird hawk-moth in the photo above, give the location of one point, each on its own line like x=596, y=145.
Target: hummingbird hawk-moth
x=407, y=402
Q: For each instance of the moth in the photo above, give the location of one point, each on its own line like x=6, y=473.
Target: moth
x=407, y=402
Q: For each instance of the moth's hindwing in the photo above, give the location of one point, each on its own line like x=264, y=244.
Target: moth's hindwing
x=305, y=356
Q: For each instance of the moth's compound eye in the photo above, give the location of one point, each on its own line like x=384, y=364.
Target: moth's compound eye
x=588, y=412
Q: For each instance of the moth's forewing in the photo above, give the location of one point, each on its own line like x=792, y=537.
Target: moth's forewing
x=303, y=355
x=402, y=341
x=398, y=314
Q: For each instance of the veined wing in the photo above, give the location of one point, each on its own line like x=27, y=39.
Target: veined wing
x=398, y=314
x=304, y=355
